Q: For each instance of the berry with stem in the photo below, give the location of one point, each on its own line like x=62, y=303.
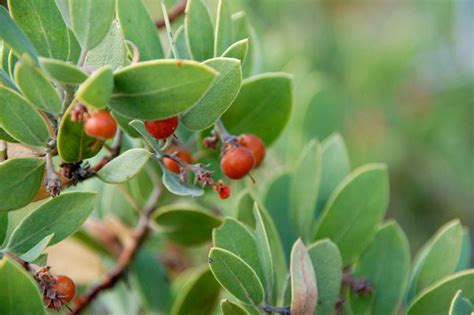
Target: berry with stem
x=162, y=129
x=237, y=162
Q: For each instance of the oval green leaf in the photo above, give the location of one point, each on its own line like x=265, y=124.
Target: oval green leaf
x=237, y=50
x=19, y=293
x=460, y=305
x=21, y=120
x=111, y=50
x=73, y=143
x=218, y=98
x=304, y=188
x=224, y=35
x=262, y=107
x=177, y=187
x=97, y=89
x=20, y=180
x=386, y=265
x=237, y=239
x=35, y=252
x=13, y=37
x=231, y=308
x=160, y=89
x=199, y=30
x=354, y=209
x=438, y=258
x=182, y=44
x=304, y=292
x=436, y=299
x=6, y=137
x=124, y=167
x=187, y=225
x=465, y=256
x=91, y=20
x=327, y=264
x=42, y=22
x=138, y=27
x=335, y=167
x=236, y=276
x=36, y=87
x=63, y=72
x=3, y=226
x=198, y=296
x=62, y=216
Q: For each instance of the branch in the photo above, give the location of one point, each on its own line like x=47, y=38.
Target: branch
x=173, y=14
x=139, y=235
x=358, y=285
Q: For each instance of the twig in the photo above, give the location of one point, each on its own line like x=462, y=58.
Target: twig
x=279, y=310
x=140, y=234
x=52, y=181
x=359, y=285
x=173, y=14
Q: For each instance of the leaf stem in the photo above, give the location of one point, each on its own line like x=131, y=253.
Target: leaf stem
x=173, y=14
x=168, y=30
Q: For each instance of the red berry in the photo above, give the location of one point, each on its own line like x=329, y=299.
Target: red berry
x=224, y=193
x=162, y=129
x=184, y=155
x=255, y=145
x=65, y=288
x=237, y=162
x=101, y=126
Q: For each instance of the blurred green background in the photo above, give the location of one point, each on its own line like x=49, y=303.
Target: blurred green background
x=396, y=79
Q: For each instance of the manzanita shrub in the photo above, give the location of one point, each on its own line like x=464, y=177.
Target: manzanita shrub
x=101, y=119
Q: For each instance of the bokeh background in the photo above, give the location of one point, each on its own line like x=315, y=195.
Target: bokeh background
x=396, y=79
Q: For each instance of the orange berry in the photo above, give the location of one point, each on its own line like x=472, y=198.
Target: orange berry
x=255, y=145
x=162, y=129
x=237, y=162
x=173, y=166
x=101, y=126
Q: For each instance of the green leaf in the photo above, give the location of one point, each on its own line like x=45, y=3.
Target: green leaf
x=124, y=123
x=21, y=120
x=6, y=81
x=231, y=308
x=139, y=94
x=237, y=239
x=327, y=264
x=262, y=107
x=224, y=35
x=304, y=188
x=335, y=167
x=237, y=50
x=354, y=209
x=182, y=43
x=187, y=225
x=465, y=256
x=436, y=299
x=124, y=167
x=13, y=37
x=151, y=282
x=277, y=201
x=6, y=137
x=266, y=228
x=304, y=292
x=198, y=296
x=218, y=98
x=386, y=265
x=245, y=209
x=177, y=187
x=63, y=72
x=460, y=305
x=91, y=20
x=3, y=226
x=199, y=30
x=236, y=276
x=42, y=22
x=97, y=89
x=20, y=179
x=36, y=251
x=19, y=293
x=265, y=255
x=36, y=87
x=111, y=51
x=138, y=27
x=73, y=144
x=62, y=216
x=12, y=60
x=63, y=6
x=438, y=258
x=243, y=30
